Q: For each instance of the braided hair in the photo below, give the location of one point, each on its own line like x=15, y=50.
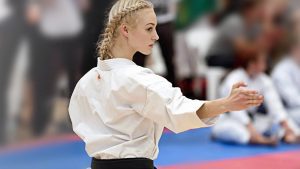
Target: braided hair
x=122, y=11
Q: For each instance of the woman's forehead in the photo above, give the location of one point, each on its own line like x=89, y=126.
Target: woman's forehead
x=147, y=16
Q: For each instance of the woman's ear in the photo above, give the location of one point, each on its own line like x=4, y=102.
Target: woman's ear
x=124, y=30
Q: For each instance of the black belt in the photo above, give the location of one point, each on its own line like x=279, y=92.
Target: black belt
x=124, y=163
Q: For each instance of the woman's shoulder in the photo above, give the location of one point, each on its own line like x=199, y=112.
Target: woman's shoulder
x=140, y=75
x=88, y=78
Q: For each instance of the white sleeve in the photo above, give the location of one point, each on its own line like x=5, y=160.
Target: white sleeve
x=167, y=106
x=287, y=89
x=272, y=101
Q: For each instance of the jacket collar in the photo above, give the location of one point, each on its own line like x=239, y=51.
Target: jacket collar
x=114, y=63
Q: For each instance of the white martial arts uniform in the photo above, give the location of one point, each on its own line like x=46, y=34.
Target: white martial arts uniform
x=122, y=113
x=232, y=126
x=286, y=77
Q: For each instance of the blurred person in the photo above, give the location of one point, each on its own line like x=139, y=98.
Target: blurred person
x=251, y=126
x=166, y=13
x=286, y=77
x=226, y=8
x=119, y=109
x=236, y=36
x=94, y=23
x=12, y=30
x=274, y=25
x=56, y=28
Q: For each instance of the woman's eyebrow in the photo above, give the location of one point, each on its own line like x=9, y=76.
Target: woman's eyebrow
x=150, y=24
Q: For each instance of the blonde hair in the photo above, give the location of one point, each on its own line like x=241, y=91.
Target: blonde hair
x=122, y=11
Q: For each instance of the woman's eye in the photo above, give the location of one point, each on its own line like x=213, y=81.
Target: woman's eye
x=149, y=29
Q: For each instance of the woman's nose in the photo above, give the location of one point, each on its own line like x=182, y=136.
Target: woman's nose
x=156, y=37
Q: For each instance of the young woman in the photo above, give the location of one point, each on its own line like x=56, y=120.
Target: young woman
x=120, y=109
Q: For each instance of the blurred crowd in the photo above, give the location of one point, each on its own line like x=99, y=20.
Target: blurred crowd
x=42, y=44
x=205, y=46
x=258, y=43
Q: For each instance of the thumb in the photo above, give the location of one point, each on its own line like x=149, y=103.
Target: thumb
x=238, y=85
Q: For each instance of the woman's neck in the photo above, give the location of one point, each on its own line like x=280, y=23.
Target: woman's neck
x=121, y=49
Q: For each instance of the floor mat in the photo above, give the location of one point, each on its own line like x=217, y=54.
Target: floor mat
x=287, y=160
x=192, y=149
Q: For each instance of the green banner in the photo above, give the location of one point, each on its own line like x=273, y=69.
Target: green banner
x=190, y=10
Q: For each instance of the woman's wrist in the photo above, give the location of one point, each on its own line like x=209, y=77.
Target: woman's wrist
x=213, y=108
x=225, y=104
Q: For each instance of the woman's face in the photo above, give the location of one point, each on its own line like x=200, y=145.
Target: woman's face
x=143, y=35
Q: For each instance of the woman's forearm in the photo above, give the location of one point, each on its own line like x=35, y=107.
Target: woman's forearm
x=213, y=108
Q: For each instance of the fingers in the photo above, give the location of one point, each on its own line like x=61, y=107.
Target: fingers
x=245, y=97
x=250, y=98
x=249, y=92
x=253, y=96
x=238, y=85
x=254, y=102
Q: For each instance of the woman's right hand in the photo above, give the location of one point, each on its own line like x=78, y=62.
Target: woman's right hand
x=241, y=98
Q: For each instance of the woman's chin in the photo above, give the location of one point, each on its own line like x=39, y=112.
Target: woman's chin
x=146, y=52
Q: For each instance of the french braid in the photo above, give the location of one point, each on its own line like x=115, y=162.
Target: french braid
x=121, y=10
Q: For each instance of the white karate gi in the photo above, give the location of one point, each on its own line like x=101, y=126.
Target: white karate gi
x=122, y=114
x=286, y=77
x=232, y=127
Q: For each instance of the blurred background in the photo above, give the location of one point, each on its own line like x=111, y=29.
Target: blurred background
x=46, y=46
